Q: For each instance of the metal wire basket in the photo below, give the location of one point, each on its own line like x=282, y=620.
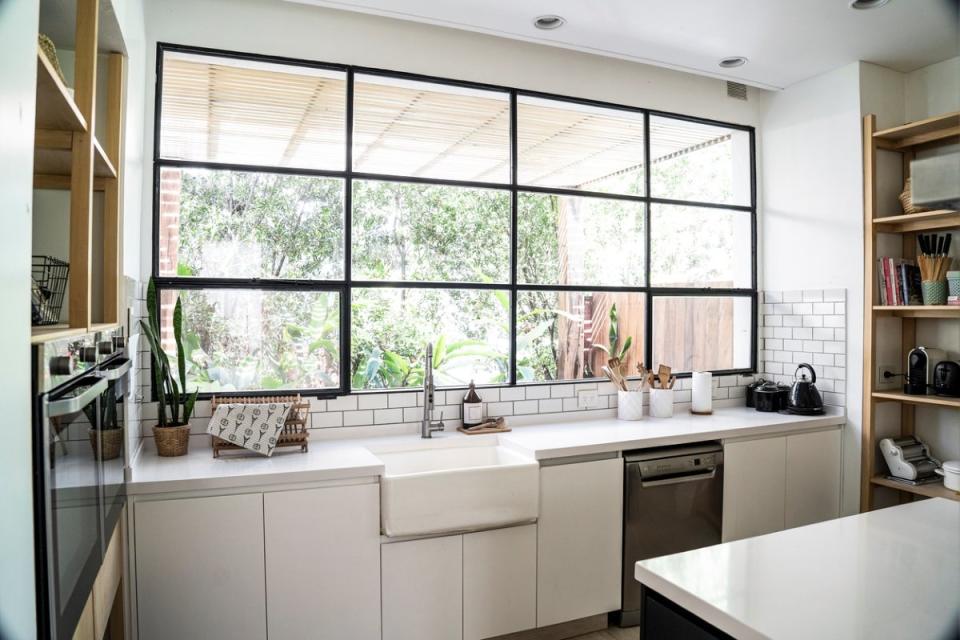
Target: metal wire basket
x=49, y=285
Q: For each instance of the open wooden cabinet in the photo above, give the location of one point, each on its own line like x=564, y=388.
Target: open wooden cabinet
x=79, y=153
x=906, y=140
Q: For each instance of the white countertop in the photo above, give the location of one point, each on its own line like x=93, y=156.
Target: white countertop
x=600, y=436
x=351, y=458
x=888, y=574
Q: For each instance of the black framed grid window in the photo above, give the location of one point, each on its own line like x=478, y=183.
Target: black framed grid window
x=321, y=223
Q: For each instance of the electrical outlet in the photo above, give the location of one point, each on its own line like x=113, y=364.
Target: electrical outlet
x=587, y=399
x=893, y=382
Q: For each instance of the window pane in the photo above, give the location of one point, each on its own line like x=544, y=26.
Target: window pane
x=240, y=340
x=566, y=335
x=391, y=327
x=251, y=112
x=699, y=162
x=431, y=233
x=702, y=333
x=577, y=240
x=422, y=129
x=573, y=146
x=698, y=247
x=232, y=224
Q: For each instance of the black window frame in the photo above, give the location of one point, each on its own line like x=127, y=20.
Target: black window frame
x=345, y=286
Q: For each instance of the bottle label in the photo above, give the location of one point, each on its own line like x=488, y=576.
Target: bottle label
x=472, y=413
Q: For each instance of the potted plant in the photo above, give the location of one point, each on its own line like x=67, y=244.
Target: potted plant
x=107, y=440
x=174, y=404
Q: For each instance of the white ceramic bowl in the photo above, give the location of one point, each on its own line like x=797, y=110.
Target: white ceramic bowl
x=951, y=474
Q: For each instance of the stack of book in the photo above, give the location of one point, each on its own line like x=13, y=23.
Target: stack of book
x=899, y=282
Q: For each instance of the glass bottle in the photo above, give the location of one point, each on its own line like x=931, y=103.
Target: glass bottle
x=472, y=407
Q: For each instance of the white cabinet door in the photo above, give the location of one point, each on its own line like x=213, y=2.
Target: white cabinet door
x=499, y=582
x=323, y=563
x=422, y=583
x=813, y=477
x=753, y=487
x=579, y=536
x=200, y=568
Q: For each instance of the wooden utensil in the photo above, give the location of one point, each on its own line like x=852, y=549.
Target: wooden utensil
x=663, y=372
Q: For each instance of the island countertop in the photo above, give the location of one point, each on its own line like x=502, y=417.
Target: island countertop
x=887, y=574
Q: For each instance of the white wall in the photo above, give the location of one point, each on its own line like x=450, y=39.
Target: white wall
x=18, y=73
x=811, y=228
x=932, y=90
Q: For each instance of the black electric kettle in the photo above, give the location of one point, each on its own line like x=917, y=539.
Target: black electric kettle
x=804, y=397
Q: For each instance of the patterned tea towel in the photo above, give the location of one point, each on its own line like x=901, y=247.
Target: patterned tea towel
x=251, y=426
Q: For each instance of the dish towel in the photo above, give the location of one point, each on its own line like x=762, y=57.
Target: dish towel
x=251, y=426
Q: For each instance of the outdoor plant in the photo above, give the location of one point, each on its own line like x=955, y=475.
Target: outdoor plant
x=615, y=350
x=175, y=404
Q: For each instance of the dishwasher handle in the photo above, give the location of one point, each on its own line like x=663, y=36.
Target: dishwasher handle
x=693, y=477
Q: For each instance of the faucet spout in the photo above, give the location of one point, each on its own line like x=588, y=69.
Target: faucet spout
x=427, y=426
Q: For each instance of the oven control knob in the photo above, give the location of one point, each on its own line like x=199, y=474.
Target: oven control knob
x=105, y=347
x=119, y=342
x=61, y=365
x=88, y=354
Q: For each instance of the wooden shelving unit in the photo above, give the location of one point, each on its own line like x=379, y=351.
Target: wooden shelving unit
x=68, y=155
x=906, y=140
x=926, y=490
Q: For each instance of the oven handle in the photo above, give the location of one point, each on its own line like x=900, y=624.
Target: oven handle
x=57, y=408
x=117, y=372
x=680, y=479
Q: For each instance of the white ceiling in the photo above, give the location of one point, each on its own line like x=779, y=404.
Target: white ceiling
x=785, y=40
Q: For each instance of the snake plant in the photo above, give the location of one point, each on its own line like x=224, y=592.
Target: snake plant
x=175, y=404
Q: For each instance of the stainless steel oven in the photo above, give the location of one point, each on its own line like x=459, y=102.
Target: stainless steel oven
x=78, y=494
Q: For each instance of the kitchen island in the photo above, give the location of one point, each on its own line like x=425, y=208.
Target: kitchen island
x=892, y=573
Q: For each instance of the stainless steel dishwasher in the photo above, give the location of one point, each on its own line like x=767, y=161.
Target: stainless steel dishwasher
x=673, y=502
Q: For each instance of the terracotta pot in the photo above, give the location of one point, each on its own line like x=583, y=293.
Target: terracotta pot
x=110, y=442
x=172, y=441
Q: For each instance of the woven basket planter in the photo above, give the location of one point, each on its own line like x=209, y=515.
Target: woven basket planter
x=172, y=441
x=906, y=200
x=109, y=441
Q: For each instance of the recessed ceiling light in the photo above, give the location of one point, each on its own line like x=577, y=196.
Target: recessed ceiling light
x=867, y=4
x=733, y=61
x=549, y=22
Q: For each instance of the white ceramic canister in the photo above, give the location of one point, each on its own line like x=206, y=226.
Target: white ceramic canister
x=661, y=403
x=701, y=402
x=951, y=474
x=629, y=405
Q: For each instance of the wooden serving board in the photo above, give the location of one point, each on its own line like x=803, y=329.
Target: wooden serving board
x=476, y=431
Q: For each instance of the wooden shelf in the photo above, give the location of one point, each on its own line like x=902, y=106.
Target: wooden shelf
x=56, y=109
x=897, y=396
x=53, y=156
x=927, y=490
x=929, y=311
x=942, y=127
x=927, y=221
x=40, y=335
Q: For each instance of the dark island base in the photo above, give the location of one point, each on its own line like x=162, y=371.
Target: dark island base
x=663, y=619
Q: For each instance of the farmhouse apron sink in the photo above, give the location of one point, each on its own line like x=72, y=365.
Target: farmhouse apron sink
x=444, y=487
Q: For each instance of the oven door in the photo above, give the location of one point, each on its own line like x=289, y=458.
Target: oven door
x=68, y=503
x=113, y=436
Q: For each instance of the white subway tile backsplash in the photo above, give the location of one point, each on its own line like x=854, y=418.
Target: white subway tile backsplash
x=326, y=419
x=773, y=321
x=823, y=359
x=372, y=401
x=773, y=296
x=386, y=416
x=823, y=308
x=813, y=295
x=412, y=414
x=833, y=321
x=343, y=403
x=803, y=333
x=561, y=391
x=835, y=346
x=571, y=404
x=535, y=393
x=401, y=400
x=834, y=295
x=782, y=332
x=554, y=405
x=792, y=345
x=813, y=346
x=508, y=394
x=495, y=409
x=356, y=418
x=802, y=308
x=525, y=407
